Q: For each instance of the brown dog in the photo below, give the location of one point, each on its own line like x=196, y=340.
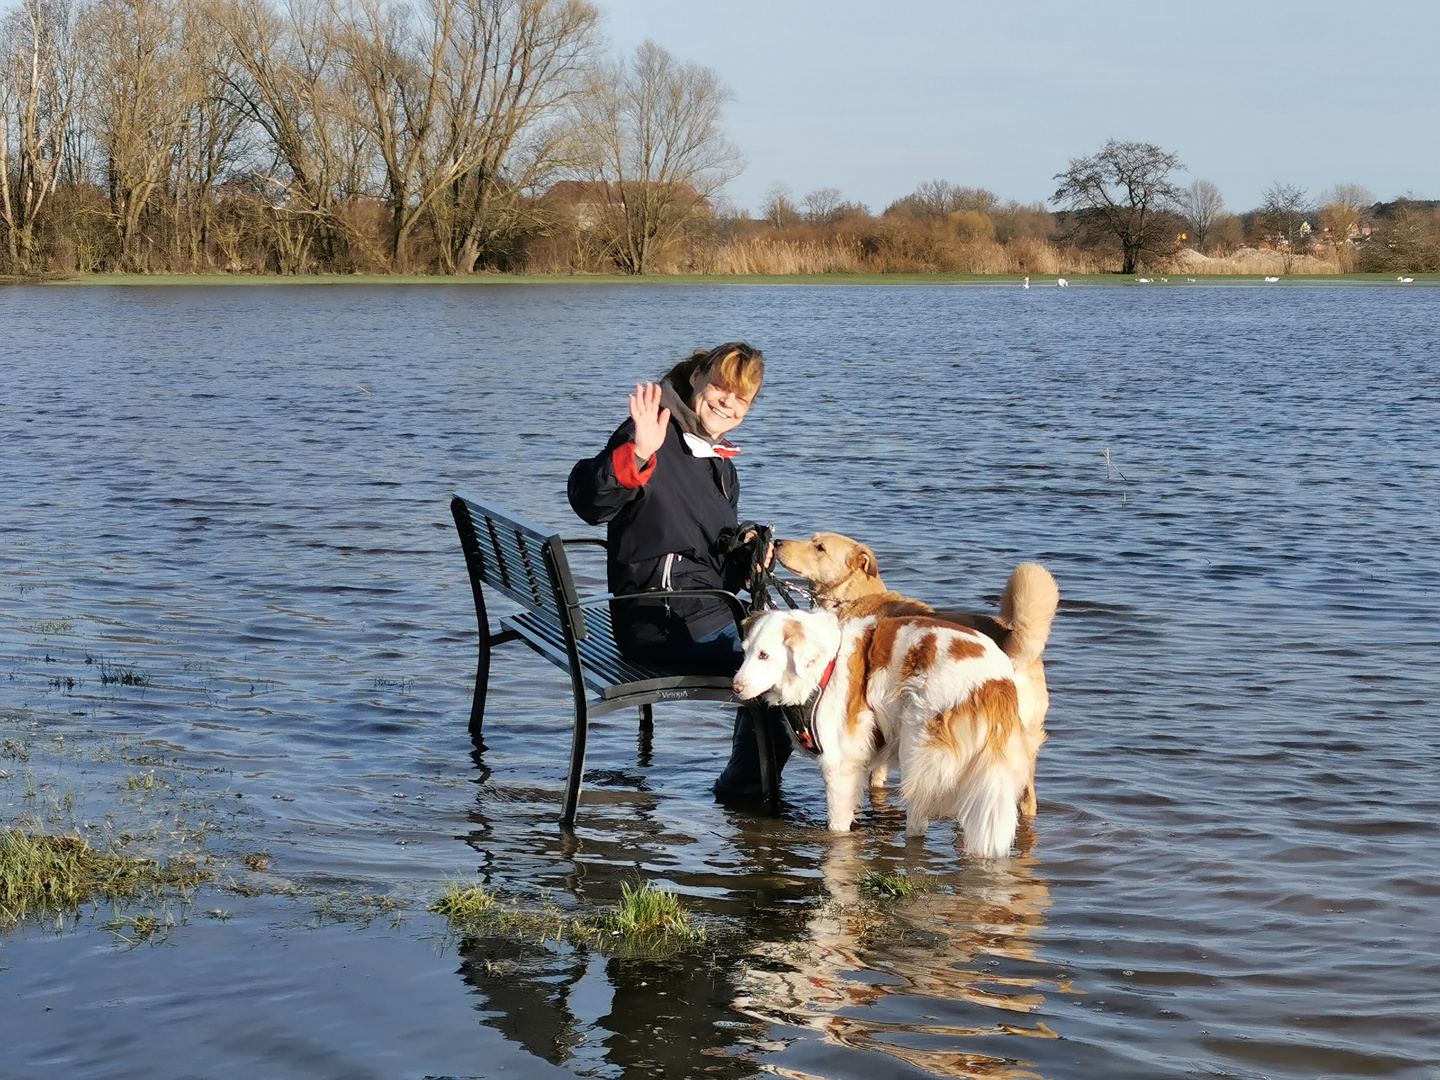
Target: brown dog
x=846, y=579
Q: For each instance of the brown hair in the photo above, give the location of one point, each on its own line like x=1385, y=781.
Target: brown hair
x=738, y=367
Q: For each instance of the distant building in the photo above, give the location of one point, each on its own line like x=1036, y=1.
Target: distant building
x=587, y=201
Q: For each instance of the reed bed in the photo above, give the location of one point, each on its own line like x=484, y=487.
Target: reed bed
x=899, y=252
x=1256, y=261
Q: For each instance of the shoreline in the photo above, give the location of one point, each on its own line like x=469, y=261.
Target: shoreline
x=1049, y=281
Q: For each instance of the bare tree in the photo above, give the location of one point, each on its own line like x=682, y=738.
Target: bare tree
x=461, y=99
x=656, y=149
x=286, y=83
x=138, y=104
x=1282, y=218
x=513, y=69
x=779, y=207
x=933, y=198
x=1343, y=210
x=821, y=205
x=395, y=64
x=940, y=199
x=38, y=92
x=1406, y=240
x=1352, y=196
x=1201, y=204
x=1121, y=192
x=211, y=140
x=1227, y=233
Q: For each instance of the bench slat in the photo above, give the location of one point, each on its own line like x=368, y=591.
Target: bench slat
x=514, y=563
x=603, y=666
x=610, y=681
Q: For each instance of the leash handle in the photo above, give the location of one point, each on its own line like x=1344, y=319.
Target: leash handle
x=761, y=579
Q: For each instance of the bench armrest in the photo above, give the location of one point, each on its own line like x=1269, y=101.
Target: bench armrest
x=737, y=609
x=593, y=540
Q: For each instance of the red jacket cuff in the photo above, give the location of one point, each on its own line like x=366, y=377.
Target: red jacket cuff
x=627, y=472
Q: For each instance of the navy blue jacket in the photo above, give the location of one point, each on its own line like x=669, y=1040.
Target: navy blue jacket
x=667, y=527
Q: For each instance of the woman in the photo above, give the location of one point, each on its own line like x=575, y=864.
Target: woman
x=666, y=489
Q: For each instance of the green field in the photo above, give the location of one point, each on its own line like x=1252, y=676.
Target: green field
x=1156, y=281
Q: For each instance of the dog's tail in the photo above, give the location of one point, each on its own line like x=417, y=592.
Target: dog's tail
x=987, y=811
x=970, y=764
x=1028, y=605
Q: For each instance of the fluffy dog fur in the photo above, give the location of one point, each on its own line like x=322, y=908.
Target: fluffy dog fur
x=846, y=579
x=941, y=697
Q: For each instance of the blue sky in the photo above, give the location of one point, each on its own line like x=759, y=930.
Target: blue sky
x=874, y=98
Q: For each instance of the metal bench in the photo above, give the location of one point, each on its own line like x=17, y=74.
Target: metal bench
x=530, y=566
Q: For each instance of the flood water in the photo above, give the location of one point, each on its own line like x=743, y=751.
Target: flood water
x=228, y=552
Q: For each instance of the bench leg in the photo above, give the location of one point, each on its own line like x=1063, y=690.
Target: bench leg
x=482, y=681
x=577, y=764
x=765, y=744
x=646, y=742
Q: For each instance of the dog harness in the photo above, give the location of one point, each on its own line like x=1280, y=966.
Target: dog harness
x=801, y=718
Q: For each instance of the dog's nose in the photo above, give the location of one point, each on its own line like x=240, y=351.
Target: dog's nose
x=739, y=688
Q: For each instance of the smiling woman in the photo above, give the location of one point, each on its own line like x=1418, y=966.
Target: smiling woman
x=666, y=488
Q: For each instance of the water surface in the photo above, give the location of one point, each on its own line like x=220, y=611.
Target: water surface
x=240, y=495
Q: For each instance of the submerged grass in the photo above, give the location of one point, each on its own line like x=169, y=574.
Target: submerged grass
x=43, y=874
x=887, y=885
x=361, y=909
x=647, y=917
x=135, y=930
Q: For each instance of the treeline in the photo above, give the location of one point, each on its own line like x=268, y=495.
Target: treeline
x=354, y=135
x=948, y=228
x=464, y=136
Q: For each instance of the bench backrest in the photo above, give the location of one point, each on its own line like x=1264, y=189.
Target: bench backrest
x=519, y=559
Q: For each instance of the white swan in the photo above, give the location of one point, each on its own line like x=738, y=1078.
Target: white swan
x=1272, y=279
x=1026, y=284
x=1406, y=280
x=1142, y=280
x=1062, y=283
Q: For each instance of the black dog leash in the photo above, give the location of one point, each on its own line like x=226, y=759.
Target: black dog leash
x=762, y=582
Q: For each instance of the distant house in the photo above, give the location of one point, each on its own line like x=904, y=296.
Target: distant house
x=587, y=201
x=584, y=200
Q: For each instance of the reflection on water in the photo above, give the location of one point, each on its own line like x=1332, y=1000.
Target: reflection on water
x=928, y=979
x=624, y=1016
x=227, y=548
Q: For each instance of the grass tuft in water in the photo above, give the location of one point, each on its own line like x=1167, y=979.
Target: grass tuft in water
x=42, y=874
x=145, y=781
x=649, y=912
x=888, y=885
x=465, y=905
x=646, y=917
x=141, y=928
x=362, y=909
x=122, y=675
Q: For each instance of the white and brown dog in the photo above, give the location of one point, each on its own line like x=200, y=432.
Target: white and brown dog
x=846, y=579
x=940, y=698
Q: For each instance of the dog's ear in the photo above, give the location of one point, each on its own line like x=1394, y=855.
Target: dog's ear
x=748, y=623
x=793, y=634
x=863, y=560
x=805, y=652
